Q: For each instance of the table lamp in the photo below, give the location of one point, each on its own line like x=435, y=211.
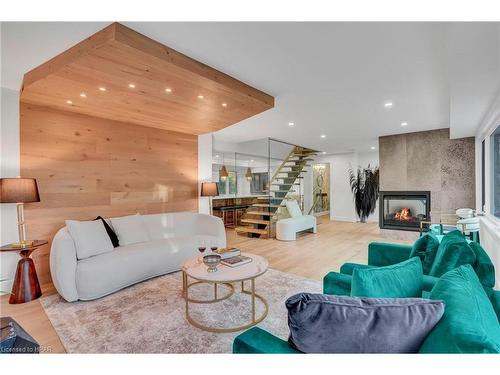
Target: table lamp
x=209, y=189
x=19, y=191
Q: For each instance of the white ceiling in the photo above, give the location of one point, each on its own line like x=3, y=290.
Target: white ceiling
x=328, y=78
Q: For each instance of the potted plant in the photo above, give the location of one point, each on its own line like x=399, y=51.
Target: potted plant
x=364, y=186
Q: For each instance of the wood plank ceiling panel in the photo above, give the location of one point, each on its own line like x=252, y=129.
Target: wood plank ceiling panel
x=166, y=85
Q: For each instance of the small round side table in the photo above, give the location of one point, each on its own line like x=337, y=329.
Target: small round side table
x=26, y=286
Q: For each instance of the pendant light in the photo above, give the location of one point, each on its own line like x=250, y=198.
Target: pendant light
x=223, y=171
x=248, y=173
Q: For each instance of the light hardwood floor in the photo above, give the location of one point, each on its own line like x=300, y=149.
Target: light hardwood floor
x=311, y=256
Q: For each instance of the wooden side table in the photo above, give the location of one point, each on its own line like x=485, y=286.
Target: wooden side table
x=26, y=286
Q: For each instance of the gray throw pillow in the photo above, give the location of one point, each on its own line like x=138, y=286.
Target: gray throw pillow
x=321, y=323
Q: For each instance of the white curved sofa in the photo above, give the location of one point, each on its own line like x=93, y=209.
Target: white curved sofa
x=173, y=238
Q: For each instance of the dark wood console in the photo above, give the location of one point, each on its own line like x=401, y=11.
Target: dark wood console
x=230, y=210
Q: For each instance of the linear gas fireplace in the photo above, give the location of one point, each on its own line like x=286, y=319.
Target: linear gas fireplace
x=404, y=210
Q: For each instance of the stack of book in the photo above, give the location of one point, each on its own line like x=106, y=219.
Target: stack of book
x=232, y=257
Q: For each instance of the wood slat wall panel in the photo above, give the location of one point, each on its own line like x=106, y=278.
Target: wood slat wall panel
x=87, y=166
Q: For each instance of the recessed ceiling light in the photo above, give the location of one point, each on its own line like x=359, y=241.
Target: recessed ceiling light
x=251, y=161
x=83, y=95
x=69, y=102
x=324, y=152
x=323, y=136
x=404, y=123
x=373, y=147
x=102, y=89
x=216, y=156
x=224, y=104
x=200, y=96
x=168, y=89
x=291, y=123
x=131, y=85
x=388, y=104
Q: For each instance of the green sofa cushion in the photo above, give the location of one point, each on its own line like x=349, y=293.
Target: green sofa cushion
x=426, y=248
x=337, y=284
x=453, y=252
x=258, y=341
x=384, y=254
x=402, y=280
x=429, y=282
x=484, y=268
x=348, y=268
x=469, y=323
x=494, y=296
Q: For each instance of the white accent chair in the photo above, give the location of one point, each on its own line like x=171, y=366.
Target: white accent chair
x=287, y=229
x=173, y=238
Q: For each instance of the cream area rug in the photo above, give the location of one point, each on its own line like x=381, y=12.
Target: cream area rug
x=149, y=317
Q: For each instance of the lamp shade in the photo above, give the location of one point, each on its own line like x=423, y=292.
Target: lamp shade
x=18, y=190
x=209, y=189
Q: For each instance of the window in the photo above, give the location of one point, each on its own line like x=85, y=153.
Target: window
x=495, y=177
x=231, y=180
x=483, y=175
x=228, y=186
x=222, y=187
x=259, y=183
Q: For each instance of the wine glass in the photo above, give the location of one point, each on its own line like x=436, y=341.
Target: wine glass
x=202, y=246
x=213, y=245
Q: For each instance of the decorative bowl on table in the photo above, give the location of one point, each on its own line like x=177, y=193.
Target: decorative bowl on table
x=211, y=261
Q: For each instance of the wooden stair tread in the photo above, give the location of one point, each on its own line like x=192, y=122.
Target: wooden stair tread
x=256, y=221
x=251, y=230
x=299, y=160
x=264, y=205
x=262, y=213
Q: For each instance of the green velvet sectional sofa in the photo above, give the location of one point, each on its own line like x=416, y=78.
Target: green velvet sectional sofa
x=459, y=308
x=385, y=254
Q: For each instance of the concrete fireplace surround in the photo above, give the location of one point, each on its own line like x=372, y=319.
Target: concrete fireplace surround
x=429, y=160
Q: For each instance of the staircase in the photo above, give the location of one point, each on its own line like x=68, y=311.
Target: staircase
x=258, y=219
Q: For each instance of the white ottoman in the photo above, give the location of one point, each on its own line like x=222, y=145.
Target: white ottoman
x=286, y=229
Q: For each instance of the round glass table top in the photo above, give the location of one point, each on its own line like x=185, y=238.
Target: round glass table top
x=196, y=269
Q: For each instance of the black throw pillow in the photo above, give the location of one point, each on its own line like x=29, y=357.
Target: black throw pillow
x=111, y=233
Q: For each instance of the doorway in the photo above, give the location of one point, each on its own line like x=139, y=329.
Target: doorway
x=321, y=189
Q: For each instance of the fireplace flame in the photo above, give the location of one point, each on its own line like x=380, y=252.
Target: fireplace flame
x=404, y=214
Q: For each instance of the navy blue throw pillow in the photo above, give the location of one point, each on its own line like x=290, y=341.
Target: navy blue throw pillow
x=321, y=323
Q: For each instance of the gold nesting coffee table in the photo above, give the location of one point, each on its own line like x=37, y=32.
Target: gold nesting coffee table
x=196, y=270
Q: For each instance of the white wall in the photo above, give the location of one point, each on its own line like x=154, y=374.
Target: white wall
x=9, y=167
x=341, y=199
x=204, y=168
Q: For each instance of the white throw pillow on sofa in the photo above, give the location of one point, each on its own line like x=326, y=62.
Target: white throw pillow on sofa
x=130, y=229
x=90, y=238
x=293, y=208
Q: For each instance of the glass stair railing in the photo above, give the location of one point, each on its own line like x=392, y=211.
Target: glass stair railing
x=259, y=219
